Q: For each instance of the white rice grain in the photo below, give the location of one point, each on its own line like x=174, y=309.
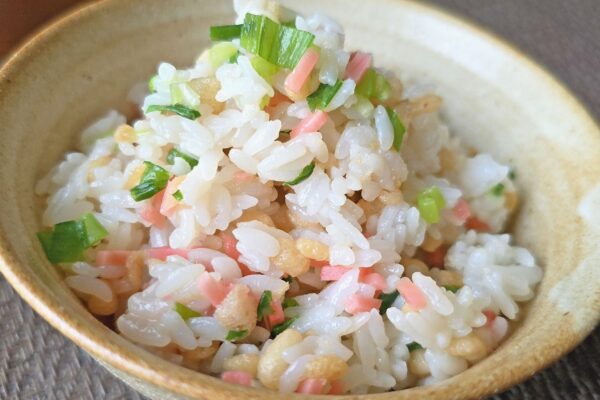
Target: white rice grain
x=226, y=350
x=385, y=130
x=293, y=374
x=89, y=285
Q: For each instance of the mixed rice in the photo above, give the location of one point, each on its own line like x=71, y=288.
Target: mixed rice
x=286, y=215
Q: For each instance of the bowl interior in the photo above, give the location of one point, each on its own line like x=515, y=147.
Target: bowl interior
x=495, y=100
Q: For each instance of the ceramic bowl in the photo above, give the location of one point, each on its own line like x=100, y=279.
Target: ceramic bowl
x=496, y=100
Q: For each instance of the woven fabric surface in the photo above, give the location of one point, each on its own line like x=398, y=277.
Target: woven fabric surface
x=37, y=362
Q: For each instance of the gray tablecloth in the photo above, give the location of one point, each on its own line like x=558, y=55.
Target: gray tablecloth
x=37, y=362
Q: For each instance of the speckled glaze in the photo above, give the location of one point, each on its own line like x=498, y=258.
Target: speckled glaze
x=495, y=99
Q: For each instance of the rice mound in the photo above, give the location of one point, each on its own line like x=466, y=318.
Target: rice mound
x=367, y=292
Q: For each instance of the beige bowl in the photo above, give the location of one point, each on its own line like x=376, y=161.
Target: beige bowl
x=495, y=99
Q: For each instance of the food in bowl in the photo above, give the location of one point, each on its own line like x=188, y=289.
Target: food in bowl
x=286, y=215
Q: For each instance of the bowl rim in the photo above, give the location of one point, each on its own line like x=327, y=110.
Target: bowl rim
x=91, y=341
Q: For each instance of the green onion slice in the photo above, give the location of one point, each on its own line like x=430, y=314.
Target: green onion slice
x=288, y=303
x=366, y=87
x=399, y=129
x=383, y=89
x=412, y=346
x=178, y=195
x=174, y=153
x=277, y=329
x=428, y=210
x=430, y=202
x=233, y=58
x=93, y=231
x=223, y=33
x=278, y=44
x=304, y=174
x=452, y=288
x=185, y=312
x=264, y=102
x=321, y=98
x=497, y=190
x=264, y=305
x=221, y=53
x=68, y=240
x=387, y=299
x=178, y=109
x=373, y=85
x=152, y=84
x=363, y=106
x=436, y=194
x=154, y=179
x=184, y=95
x=235, y=335
x=45, y=238
x=264, y=68
x=68, y=243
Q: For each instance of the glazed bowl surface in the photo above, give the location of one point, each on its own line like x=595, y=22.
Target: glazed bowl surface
x=495, y=99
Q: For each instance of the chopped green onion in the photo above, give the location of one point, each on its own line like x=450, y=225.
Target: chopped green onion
x=428, y=210
x=452, y=288
x=436, y=194
x=387, y=299
x=383, y=89
x=363, y=106
x=178, y=109
x=258, y=35
x=94, y=231
x=304, y=174
x=288, y=303
x=512, y=175
x=373, y=85
x=277, y=329
x=292, y=45
x=174, y=153
x=68, y=243
x=68, y=240
x=185, y=312
x=177, y=95
x=280, y=45
x=225, y=32
x=220, y=53
x=154, y=179
x=412, y=346
x=233, y=58
x=323, y=95
x=264, y=305
x=178, y=195
x=45, y=238
x=497, y=190
x=291, y=23
x=430, y=202
x=288, y=279
x=184, y=94
x=399, y=129
x=264, y=102
x=152, y=84
x=366, y=87
x=286, y=131
x=235, y=335
x=264, y=68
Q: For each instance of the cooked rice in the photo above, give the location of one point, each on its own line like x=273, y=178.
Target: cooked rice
x=237, y=225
